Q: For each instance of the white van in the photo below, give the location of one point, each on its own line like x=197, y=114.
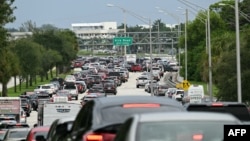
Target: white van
x=195, y=93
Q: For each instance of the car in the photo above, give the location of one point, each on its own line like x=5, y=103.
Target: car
x=237, y=109
x=91, y=96
x=146, y=88
x=63, y=93
x=81, y=86
x=102, y=117
x=175, y=126
x=6, y=119
x=26, y=105
x=16, y=134
x=141, y=81
x=14, y=125
x=178, y=95
x=2, y=134
x=136, y=67
x=161, y=89
x=110, y=88
x=59, y=129
x=72, y=87
x=36, y=132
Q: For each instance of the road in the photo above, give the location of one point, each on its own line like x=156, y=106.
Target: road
x=10, y=84
x=128, y=88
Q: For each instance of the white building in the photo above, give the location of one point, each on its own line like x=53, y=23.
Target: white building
x=95, y=30
x=18, y=35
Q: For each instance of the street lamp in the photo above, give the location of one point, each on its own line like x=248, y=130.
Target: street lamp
x=177, y=18
x=188, y=3
x=238, y=64
x=125, y=28
x=238, y=51
x=147, y=21
x=244, y=15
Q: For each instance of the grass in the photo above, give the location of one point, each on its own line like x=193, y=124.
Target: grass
x=12, y=93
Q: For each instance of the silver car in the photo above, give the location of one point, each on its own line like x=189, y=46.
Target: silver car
x=175, y=126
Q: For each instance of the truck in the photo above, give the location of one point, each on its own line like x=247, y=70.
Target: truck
x=195, y=93
x=11, y=107
x=50, y=111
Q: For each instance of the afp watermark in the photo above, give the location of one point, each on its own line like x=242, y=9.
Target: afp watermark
x=236, y=132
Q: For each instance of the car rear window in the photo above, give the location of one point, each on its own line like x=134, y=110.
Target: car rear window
x=142, y=78
x=122, y=112
x=239, y=111
x=181, y=130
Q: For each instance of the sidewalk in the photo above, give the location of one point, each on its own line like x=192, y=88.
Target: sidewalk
x=10, y=84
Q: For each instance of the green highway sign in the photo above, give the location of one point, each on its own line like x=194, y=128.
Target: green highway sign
x=122, y=41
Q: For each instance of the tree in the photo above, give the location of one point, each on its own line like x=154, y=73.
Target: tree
x=9, y=67
x=6, y=60
x=29, y=54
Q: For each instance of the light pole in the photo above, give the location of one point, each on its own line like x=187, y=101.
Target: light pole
x=189, y=4
x=244, y=15
x=148, y=21
x=238, y=64
x=125, y=28
x=177, y=18
x=186, y=13
x=238, y=51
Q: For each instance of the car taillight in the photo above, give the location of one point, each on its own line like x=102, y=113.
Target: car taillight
x=197, y=137
x=140, y=105
x=99, y=137
x=217, y=104
x=93, y=137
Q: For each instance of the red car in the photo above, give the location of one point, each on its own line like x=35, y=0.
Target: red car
x=136, y=67
x=38, y=132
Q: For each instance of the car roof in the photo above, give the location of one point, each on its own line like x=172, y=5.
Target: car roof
x=117, y=100
x=41, y=128
x=187, y=116
x=19, y=129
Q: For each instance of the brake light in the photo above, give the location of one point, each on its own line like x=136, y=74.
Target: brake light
x=217, y=104
x=139, y=105
x=93, y=137
x=197, y=137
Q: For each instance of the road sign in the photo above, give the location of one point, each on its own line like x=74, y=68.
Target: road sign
x=185, y=85
x=122, y=41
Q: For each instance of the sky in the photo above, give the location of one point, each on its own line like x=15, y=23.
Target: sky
x=62, y=13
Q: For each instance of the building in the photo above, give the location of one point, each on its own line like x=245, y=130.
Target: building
x=18, y=35
x=104, y=30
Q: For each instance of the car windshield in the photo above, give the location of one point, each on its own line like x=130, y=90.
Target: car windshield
x=181, y=130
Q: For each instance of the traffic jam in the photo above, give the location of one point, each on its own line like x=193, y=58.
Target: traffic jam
x=88, y=105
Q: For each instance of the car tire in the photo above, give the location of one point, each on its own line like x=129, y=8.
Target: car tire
x=137, y=86
x=76, y=97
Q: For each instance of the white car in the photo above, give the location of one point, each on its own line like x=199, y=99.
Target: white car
x=178, y=95
x=141, y=81
x=70, y=78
